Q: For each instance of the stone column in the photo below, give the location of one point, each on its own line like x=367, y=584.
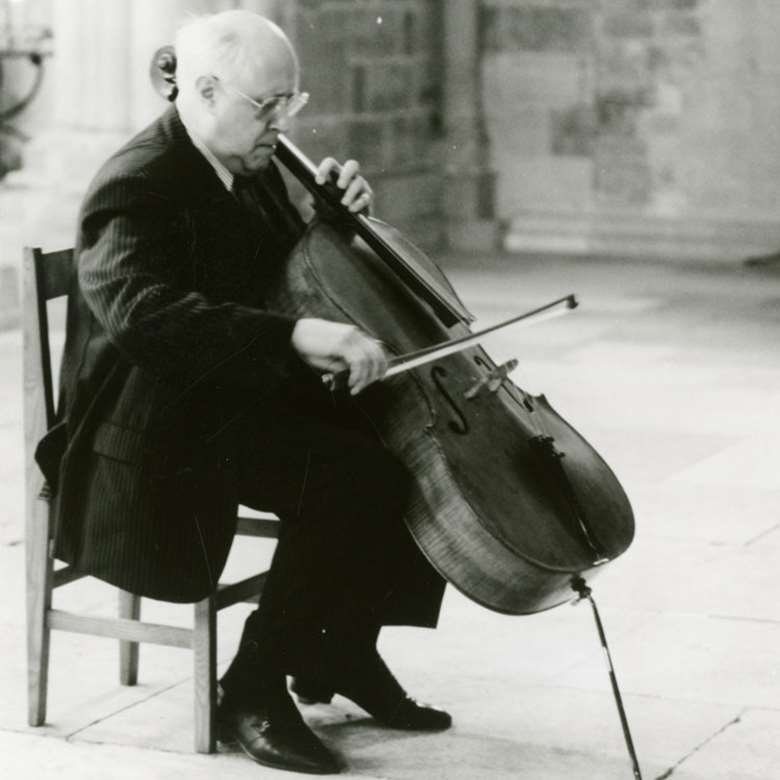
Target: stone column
x=154, y=24
x=85, y=117
x=88, y=117
x=92, y=45
x=96, y=94
x=468, y=199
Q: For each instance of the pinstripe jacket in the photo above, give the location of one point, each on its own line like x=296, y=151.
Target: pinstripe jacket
x=167, y=340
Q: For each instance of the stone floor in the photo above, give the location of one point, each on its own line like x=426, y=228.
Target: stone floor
x=672, y=373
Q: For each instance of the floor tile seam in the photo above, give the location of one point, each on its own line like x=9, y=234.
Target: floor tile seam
x=479, y=737
x=709, y=543
x=763, y=534
x=169, y=751
x=29, y=732
x=655, y=615
x=743, y=619
x=651, y=615
x=606, y=693
x=758, y=708
x=725, y=544
x=629, y=693
x=701, y=745
x=599, y=425
x=152, y=695
x=144, y=748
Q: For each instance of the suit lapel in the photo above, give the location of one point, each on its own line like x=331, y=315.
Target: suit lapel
x=228, y=240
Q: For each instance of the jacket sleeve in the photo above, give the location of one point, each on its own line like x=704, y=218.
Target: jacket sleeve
x=130, y=274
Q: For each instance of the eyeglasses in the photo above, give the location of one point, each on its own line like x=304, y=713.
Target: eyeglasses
x=279, y=106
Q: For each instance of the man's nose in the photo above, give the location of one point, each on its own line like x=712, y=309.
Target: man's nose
x=280, y=122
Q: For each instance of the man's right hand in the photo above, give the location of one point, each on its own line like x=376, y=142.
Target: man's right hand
x=334, y=346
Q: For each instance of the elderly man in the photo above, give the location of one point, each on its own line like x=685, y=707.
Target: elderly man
x=183, y=395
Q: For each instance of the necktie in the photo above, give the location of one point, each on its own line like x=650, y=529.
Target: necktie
x=267, y=215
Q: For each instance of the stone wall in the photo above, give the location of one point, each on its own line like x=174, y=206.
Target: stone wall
x=628, y=126
x=373, y=69
x=635, y=126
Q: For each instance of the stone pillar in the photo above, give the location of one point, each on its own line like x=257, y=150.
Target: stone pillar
x=92, y=45
x=96, y=94
x=469, y=182
x=154, y=24
x=89, y=117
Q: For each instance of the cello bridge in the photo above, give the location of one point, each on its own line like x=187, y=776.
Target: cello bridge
x=546, y=445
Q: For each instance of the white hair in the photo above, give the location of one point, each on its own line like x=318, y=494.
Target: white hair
x=228, y=45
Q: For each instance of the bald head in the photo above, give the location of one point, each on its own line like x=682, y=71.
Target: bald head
x=229, y=64
x=239, y=46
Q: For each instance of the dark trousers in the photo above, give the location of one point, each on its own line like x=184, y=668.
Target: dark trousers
x=345, y=563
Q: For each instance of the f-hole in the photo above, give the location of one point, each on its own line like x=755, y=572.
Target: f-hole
x=459, y=426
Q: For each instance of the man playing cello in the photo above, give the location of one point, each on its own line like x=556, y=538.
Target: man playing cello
x=182, y=395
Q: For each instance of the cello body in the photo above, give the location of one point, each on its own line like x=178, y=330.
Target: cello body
x=510, y=503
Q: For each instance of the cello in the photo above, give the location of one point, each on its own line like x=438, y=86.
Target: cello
x=510, y=503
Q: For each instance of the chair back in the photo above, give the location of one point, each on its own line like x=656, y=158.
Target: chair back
x=45, y=276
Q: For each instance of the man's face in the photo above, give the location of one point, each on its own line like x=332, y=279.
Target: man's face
x=242, y=135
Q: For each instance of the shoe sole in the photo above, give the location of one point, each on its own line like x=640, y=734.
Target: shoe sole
x=383, y=723
x=230, y=739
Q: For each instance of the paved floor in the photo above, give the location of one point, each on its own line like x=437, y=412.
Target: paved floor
x=673, y=374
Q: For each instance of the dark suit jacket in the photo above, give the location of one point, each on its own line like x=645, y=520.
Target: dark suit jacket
x=167, y=341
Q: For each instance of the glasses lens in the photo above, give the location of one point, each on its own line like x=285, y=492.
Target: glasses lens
x=273, y=105
x=296, y=103
x=286, y=106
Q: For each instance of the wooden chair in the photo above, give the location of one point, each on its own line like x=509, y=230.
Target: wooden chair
x=45, y=277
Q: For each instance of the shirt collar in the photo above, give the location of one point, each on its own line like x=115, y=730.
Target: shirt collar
x=224, y=175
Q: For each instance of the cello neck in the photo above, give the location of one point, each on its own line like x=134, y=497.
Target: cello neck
x=446, y=305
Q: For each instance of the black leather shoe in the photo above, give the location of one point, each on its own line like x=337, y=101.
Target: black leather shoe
x=273, y=733
x=372, y=686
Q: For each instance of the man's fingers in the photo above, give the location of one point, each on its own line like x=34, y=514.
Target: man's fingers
x=354, y=191
x=334, y=346
x=363, y=201
x=369, y=366
x=348, y=173
x=360, y=371
x=357, y=194
x=357, y=368
x=325, y=168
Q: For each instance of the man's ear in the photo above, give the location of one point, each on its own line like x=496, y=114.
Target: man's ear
x=206, y=88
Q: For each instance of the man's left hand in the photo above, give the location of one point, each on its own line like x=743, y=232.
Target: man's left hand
x=358, y=196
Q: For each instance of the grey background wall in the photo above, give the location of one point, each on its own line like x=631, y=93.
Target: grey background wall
x=625, y=127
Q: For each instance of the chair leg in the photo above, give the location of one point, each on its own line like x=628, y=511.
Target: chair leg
x=130, y=609
x=204, y=645
x=39, y=567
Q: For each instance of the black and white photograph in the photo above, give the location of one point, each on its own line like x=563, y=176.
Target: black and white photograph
x=390, y=389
